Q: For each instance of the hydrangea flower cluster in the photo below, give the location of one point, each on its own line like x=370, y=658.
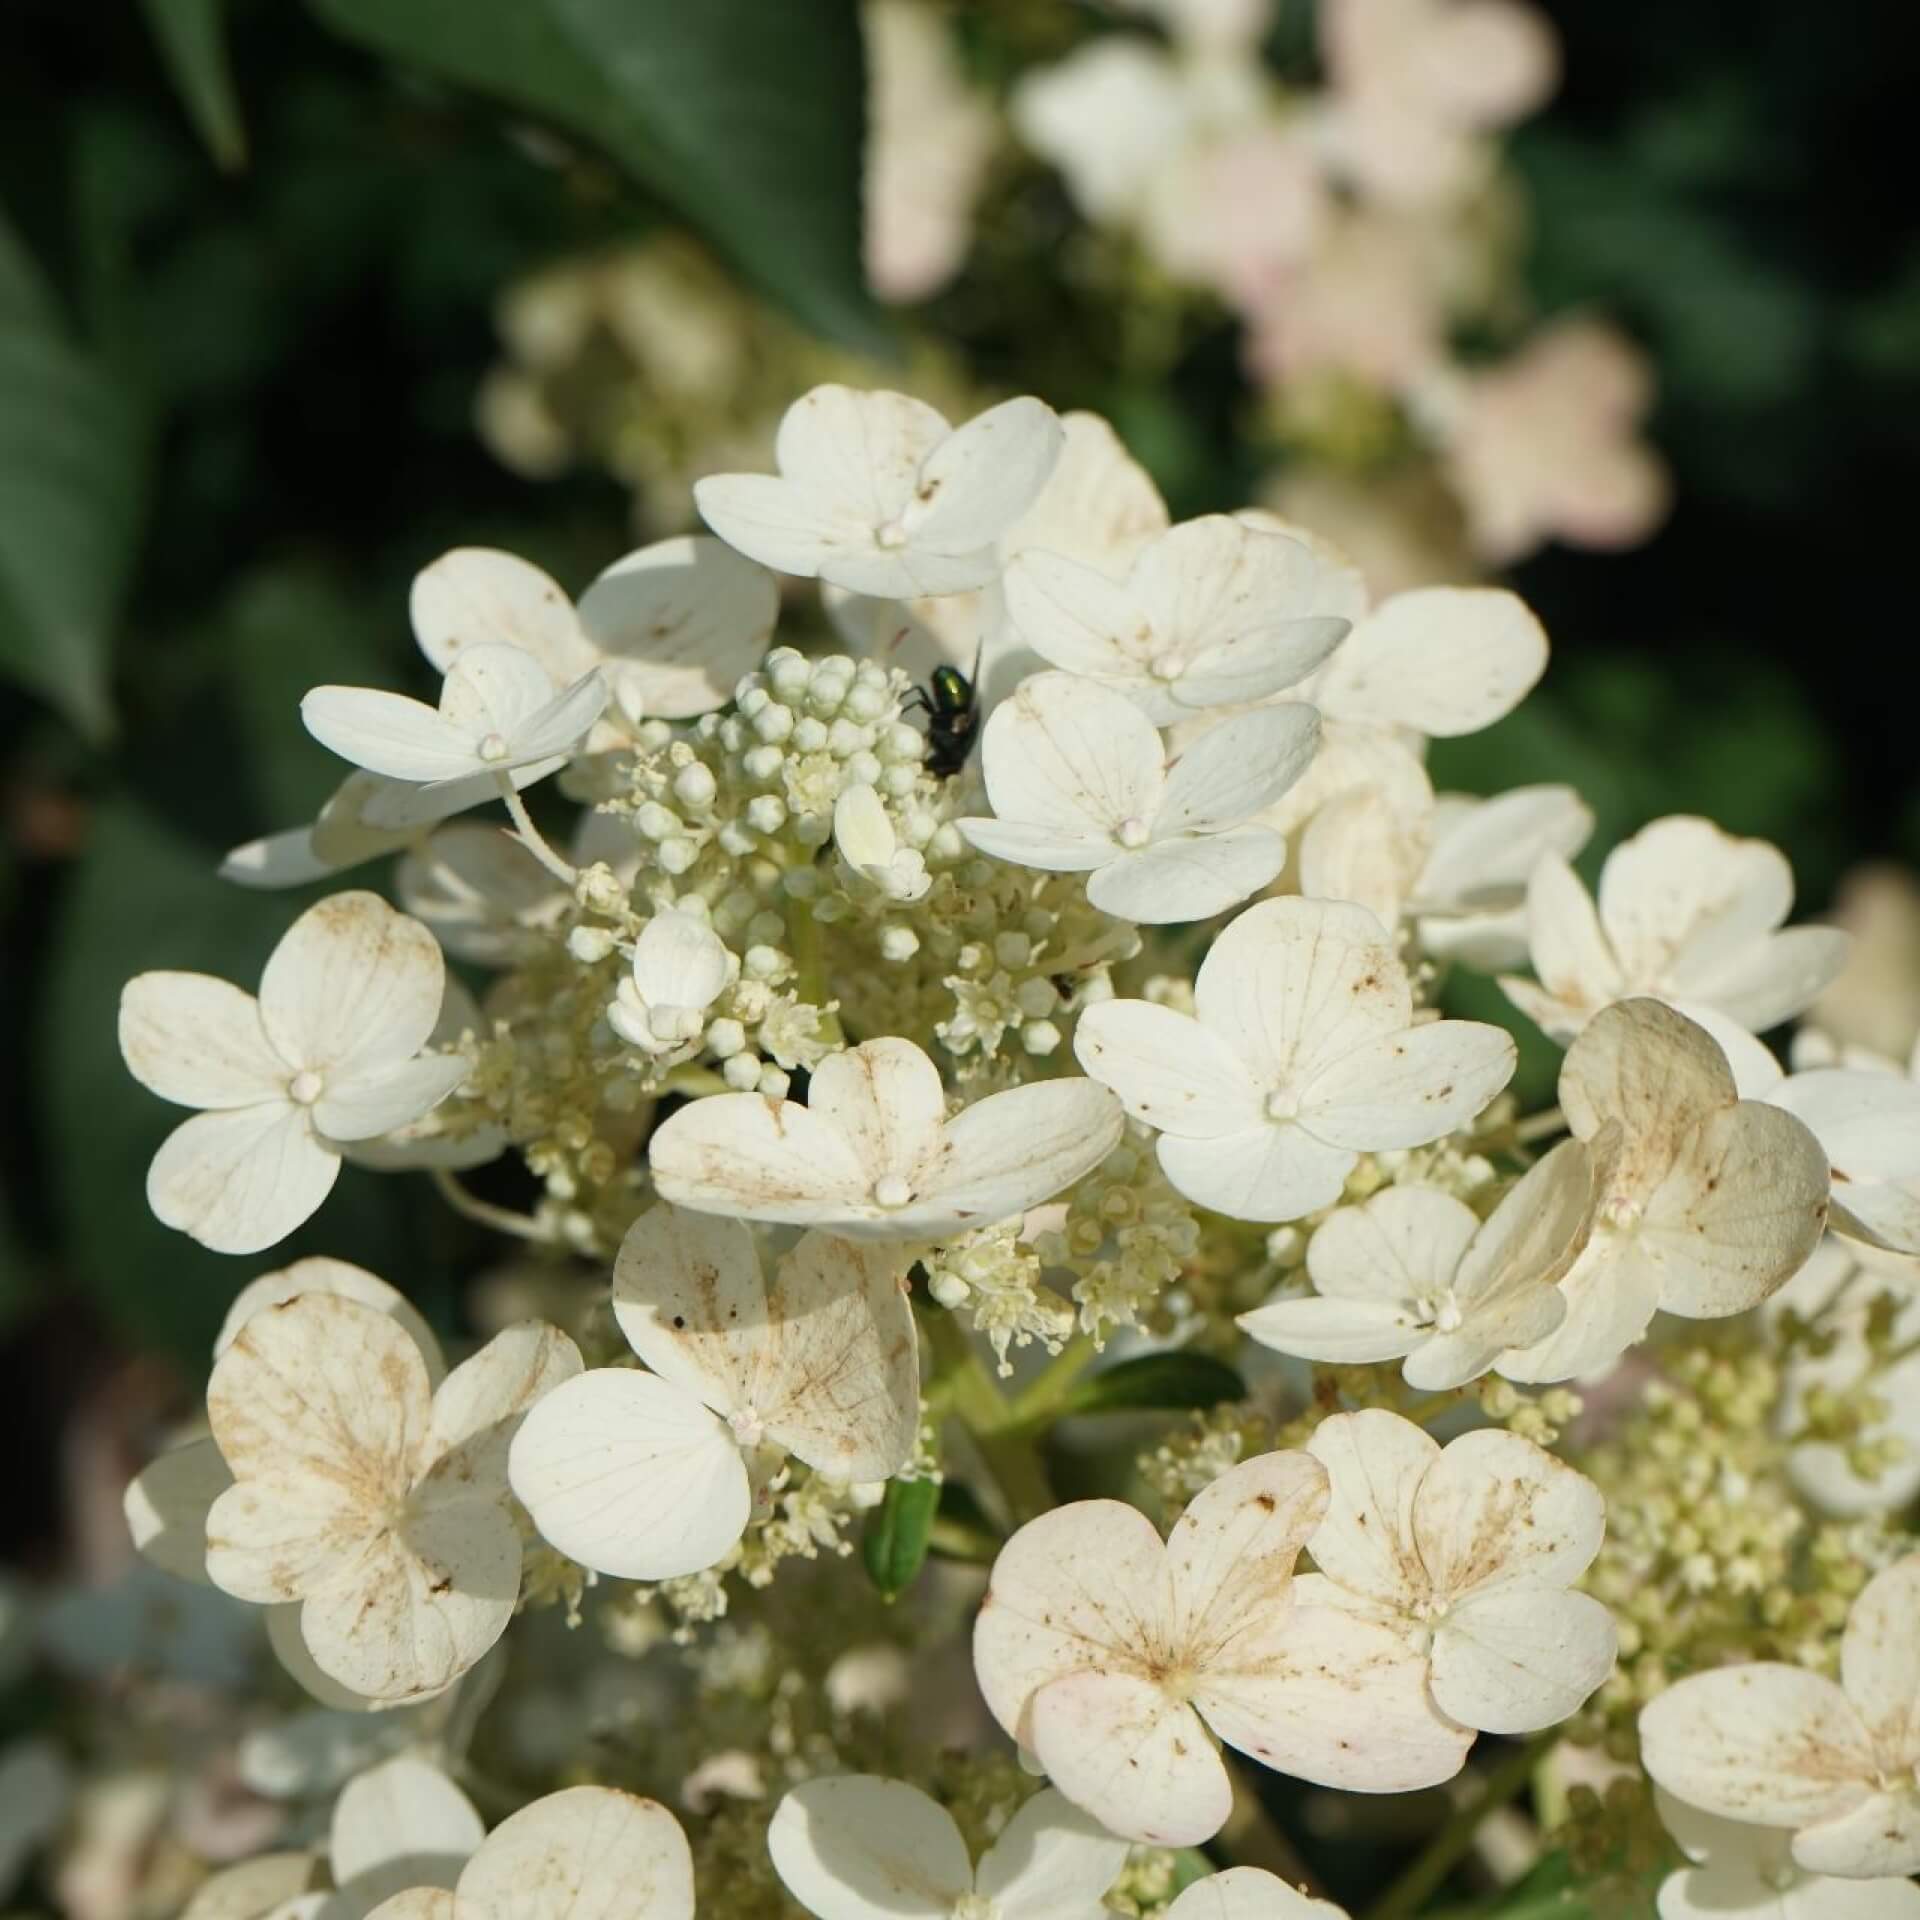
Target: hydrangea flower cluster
x=856, y=1073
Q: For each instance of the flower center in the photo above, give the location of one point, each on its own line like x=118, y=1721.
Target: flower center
x=1283, y=1104
x=975, y=1906
x=892, y=536
x=493, y=747
x=305, y=1088
x=1131, y=833
x=1165, y=666
x=891, y=1191
x=748, y=1429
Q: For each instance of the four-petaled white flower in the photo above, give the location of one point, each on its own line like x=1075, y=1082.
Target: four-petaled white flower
x=500, y=726
x=1705, y=1203
x=857, y=1847
x=374, y=1499
x=1249, y=1893
x=1213, y=613
x=1686, y=914
x=873, y=1156
x=1416, y=1273
x=650, y=1475
x=1108, y=1654
x=877, y=493
x=1834, y=1763
x=670, y=628
x=679, y=969
x=329, y=1052
x=868, y=844
x=1081, y=783
x=1303, y=1055
x=1468, y=1553
x=1742, y=1872
x=585, y=1853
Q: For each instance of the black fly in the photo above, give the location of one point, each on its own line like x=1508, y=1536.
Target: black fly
x=953, y=718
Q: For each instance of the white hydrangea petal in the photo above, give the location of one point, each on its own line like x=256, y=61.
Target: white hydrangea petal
x=781, y=526
x=1343, y=1332
x=1880, y=1658
x=1269, y=1172
x=364, y=1105
x=1741, y=1211
x=167, y=1504
x=1052, y=849
x=289, y=859
x=682, y=621
x=1294, y=982
x=1536, y=1231
x=318, y=1459
x=1484, y=856
x=585, y=1853
x=1404, y=1089
x=885, y=1100
x=1868, y=1124
x=486, y=897
x=631, y=1475
x=1249, y=1893
x=1653, y=1070
x=1084, y=1587
x=1518, y=1320
x=1442, y=660
x=400, y=1824
x=1099, y=504
x=1520, y=1658
x=241, y=1180
x=1880, y=1837
x=1231, y=1554
x=1776, y=978
x=1077, y=618
x=1051, y=1862
x=859, y=450
x=763, y=1159
x=1255, y=666
x=1612, y=1293
x=1188, y=878
x=1495, y=1511
x=861, y=829
x=981, y=478
x=1401, y=1245
x=1357, y=848
x=689, y=1297
x=1166, y=1068
x=269, y=1883
x=1763, y=1742
x=1570, y=953
x=1342, y=1701
x=1015, y=1149
x=1131, y=1755
x=1070, y=755
x=319, y=1273
x=1376, y=1463
x=1237, y=768
x=405, y=810
x=1683, y=895
x=479, y=595
x=679, y=961
x=290, y=1650
x=857, y=1847
x=557, y=728
x=415, y=1903
x=1213, y=580
x=197, y=1041
x=839, y=1378
x=352, y=987
x=478, y=1408
x=388, y=733
x=494, y=689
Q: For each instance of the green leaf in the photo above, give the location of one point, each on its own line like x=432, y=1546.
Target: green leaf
x=193, y=42
x=897, y=1534
x=743, y=115
x=72, y=485
x=1156, y=1380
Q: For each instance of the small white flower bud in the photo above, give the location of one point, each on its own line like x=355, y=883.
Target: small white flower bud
x=656, y=822
x=725, y=1038
x=598, y=889
x=766, y=813
x=948, y=1289
x=813, y=829
x=764, y=963
x=788, y=673
x=947, y=843
x=678, y=856
x=773, y=723
x=898, y=782
x=752, y=701
x=773, y=1082
x=656, y=736
x=590, y=945
x=1036, y=997
x=898, y=944
x=766, y=929
x=1012, y=950
x=762, y=763
x=1040, y=1036
x=866, y=702
x=741, y=1071
x=800, y=883
x=863, y=767
x=844, y=739
x=737, y=839
x=694, y=786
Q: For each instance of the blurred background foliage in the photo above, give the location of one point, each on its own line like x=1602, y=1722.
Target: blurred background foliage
x=250, y=259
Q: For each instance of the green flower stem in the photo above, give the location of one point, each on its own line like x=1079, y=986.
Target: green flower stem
x=1049, y=1390
x=1454, y=1841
